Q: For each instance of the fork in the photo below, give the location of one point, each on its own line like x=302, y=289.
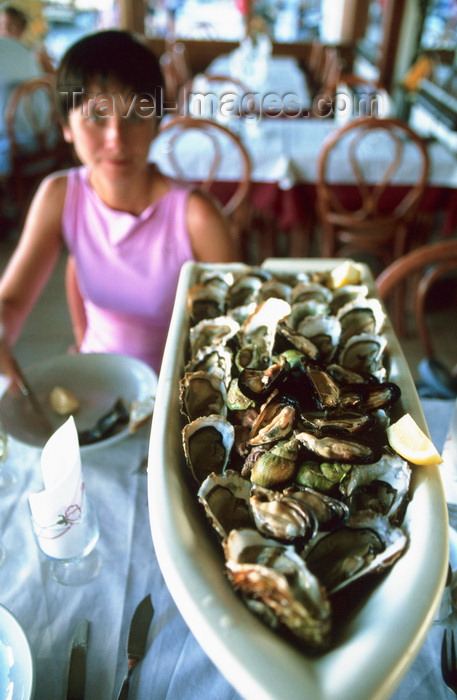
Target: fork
x=448, y=661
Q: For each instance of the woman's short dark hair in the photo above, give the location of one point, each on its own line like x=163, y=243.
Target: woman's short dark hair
x=111, y=55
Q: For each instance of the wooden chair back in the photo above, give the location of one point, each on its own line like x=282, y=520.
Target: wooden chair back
x=194, y=150
x=35, y=137
x=379, y=221
x=175, y=70
x=419, y=269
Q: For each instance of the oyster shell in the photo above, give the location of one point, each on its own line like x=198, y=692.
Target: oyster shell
x=245, y=288
x=260, y=327
x=364, y=354
x=361, y=316
x=202, y=394
x=213, y=358
x=365, y=545
x=329, y=512
x=339, y=449
x=382, y=487
x=278, y=586
x=281, y=516
x=324, y=332
x=225, y=498
x=304, y=291
x=346, y=294
x=210, y=332
x=205, y=301
x=207, y=443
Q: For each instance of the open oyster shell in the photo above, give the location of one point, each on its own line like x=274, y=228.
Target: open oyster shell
x=367, y=544
x=225, y=498
x=207, y=443
x=278, y=586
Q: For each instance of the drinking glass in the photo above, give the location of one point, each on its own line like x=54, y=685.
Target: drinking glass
x=8, y=475
x=75, y=560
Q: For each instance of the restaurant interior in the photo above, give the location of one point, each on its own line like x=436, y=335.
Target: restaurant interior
x=326, y=129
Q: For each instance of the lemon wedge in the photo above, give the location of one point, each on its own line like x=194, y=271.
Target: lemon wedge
x=406, y=438
x=347, y=272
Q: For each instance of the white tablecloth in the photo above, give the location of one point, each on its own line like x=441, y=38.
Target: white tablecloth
x=174, y=668
x=285, y=150
x=283, y=76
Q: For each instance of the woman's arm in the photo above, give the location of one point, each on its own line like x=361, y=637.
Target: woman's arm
x=209, y=231
x=34, y=258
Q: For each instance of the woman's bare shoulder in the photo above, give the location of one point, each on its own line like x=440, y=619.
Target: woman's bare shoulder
x=47, y=205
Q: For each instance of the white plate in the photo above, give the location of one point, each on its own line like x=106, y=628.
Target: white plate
x=377, y=644
x=17, y=669
x=96, y=379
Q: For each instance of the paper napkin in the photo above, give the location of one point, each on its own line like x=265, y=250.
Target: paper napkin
x=57, y=511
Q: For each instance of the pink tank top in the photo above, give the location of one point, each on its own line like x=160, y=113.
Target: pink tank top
x=128, y=267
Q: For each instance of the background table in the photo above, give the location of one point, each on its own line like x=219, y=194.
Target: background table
x=284, y=153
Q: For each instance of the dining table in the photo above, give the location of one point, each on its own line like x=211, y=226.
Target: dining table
x=284, y=154
x=174, y=666
x=281, y=75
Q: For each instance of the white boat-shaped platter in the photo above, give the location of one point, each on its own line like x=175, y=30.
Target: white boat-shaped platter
x=380, y=640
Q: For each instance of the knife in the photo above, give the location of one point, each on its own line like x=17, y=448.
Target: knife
x=139, y=628
x=77, y=669
x=27, y=391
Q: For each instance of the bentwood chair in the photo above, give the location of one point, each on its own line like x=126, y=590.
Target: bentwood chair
x=35, y=138
x=198, y=150
x=175, y=69
x=418, y=270
x=205, y=93
x=378, y=220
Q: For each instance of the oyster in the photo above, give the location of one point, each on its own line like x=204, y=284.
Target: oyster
x=277, y=585
x=382, y=487
x=364, y=353
x=330, y=513
x=205, y=301
x=210, y=332
x=202, y=394
x=213, y=358
x=274, y=288
x=260, y=327
x=207, y=443
x=280, y=516
x=339, y=449
x=304, y=291
x=365, y=545
x=346, y=294
x=324, y=332
x=245, y=288
x=361, y=316
x=297, y=340
x=225, y=498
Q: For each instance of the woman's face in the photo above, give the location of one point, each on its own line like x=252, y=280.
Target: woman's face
x=112, y=130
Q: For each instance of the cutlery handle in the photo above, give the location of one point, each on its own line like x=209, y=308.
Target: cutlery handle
x=124, y=691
